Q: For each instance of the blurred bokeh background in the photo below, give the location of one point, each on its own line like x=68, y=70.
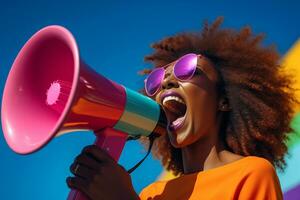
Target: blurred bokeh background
x=113, y=37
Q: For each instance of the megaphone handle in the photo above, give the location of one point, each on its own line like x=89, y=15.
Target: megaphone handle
x=113, y=142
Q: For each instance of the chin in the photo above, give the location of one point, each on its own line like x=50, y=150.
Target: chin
x=186, y=137
x=181, y=140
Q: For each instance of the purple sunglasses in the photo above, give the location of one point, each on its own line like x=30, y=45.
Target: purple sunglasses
x=184, y=69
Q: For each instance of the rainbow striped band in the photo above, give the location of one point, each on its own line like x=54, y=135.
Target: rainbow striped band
x=140, y=115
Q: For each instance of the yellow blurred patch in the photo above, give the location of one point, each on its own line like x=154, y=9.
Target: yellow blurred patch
x=291, y=63
x=166, y=175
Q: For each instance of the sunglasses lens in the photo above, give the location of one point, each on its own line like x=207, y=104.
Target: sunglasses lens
x=185, y=67
x=153, y=82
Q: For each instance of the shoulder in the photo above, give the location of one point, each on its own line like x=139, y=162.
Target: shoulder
x=259, y=170
x=259, y=180
x=152, y=189
x=259, y=166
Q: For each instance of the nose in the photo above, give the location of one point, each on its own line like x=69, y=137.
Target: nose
x=169, y=82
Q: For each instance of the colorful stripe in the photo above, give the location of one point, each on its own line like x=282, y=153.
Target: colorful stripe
x=293, y=194
x=140, y=116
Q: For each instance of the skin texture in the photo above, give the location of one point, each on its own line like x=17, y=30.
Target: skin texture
x=200, y=97
x=202, y=149
x=100, y=177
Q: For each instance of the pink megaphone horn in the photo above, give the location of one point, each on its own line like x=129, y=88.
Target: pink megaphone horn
x=50, y=91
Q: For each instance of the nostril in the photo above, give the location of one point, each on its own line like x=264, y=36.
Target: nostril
x=167, y=84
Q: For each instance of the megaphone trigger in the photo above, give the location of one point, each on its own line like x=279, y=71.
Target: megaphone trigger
x=112, y=141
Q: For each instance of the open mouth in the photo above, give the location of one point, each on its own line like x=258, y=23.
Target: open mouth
x=175, y=109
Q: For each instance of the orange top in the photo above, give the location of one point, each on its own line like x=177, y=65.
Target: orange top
x=248, y=178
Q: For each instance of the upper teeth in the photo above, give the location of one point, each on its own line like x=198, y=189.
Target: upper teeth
x=168, y=98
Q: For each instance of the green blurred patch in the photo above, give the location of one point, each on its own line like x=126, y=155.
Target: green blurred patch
x=294, y=137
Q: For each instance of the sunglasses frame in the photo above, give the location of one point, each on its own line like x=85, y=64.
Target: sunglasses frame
x=164, y=72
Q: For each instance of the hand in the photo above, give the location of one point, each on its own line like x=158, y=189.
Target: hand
x=99, y=176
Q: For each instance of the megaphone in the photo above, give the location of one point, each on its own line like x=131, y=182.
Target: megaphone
x=51, y=91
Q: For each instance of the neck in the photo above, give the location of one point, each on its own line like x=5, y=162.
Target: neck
x=204, y=154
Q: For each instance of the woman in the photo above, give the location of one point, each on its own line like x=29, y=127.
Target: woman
x=228, y=107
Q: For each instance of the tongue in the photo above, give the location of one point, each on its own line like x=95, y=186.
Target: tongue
x=178, y=121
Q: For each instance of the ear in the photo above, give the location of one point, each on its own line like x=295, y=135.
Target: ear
x=224, y=104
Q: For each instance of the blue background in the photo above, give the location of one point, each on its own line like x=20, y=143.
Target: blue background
x=113, y=37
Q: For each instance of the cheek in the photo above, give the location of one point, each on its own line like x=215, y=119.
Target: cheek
x=202, y=100
x=203, y=108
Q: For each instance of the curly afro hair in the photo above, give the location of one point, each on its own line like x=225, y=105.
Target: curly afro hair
x=259, y=92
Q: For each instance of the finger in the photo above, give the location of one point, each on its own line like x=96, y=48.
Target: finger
x=82, y=171
x=98, y=153
x=84, y=159
x=78, y=184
